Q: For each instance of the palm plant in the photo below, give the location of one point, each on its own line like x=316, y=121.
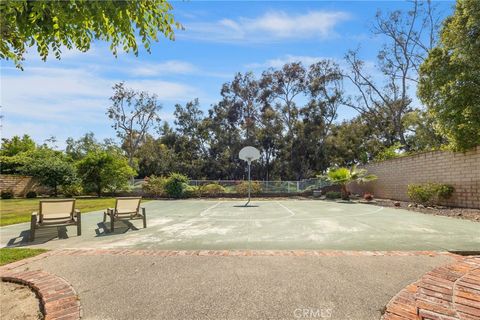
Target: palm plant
x=344, y=176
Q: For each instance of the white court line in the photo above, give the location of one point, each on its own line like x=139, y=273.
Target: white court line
x=204, y=212
x=203, y=215
x=286, y=208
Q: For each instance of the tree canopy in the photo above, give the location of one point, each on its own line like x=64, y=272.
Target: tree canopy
x=52, y=25
x=450, y=77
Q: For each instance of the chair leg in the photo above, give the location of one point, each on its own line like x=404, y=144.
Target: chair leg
x=33, y=224
x=144, y=214
x=104, y=216
x=112, y=221
x=79, y=224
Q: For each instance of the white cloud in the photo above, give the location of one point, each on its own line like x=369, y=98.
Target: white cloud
x=70, y=101
x=160, y=69
x=279, y=62
x=165, y=90
x=271, y=26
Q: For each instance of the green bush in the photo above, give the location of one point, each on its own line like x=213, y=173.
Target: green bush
x=333, y=195
x=6, y=194
x=192, y=191
x=102, y=171
x=242, y=187
x=51, y=168
x=212, y=189
x=429, y=193
x=445, y=191
x=175, y=185
x=31, y=194
x=71, y=190
x=154, y=185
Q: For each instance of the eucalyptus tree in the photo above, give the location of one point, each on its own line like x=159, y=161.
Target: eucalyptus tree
x=133, y=114
x=285, y=86
x=409, y=36
x=325, y=90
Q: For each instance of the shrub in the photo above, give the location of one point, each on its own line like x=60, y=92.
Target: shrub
x=333, y=195
x=74, y=189
x=51, y=168
x=445, y=191
x=102, y=171
x=242, y=187
x=368, y=196
x=175, y=185
x=154, y=185
x=212, y=189
x=31, y=194
x=6, y=194
x=192, y=191
x=429, y=193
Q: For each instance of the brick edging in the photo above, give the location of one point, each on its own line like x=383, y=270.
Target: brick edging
x=449, y=293
x=58, y=299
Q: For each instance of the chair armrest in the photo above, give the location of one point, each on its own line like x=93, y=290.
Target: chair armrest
x=34, y=213
x=76, y=212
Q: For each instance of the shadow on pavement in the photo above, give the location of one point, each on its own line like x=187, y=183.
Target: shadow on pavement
x=42, y=235
x=466, y=253
x=121, y=226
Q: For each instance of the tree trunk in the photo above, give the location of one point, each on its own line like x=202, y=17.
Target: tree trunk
x=345, y=192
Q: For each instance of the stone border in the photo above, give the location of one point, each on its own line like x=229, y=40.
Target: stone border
x=445, y=293
x=58, y=299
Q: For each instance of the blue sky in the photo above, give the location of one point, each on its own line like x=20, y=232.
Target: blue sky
x=68, y=98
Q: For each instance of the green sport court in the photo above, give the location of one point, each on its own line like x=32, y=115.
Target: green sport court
x=264, y=225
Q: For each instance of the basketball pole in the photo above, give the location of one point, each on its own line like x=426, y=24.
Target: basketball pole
x=249, y=184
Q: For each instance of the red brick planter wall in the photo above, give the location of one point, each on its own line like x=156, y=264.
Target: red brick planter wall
x=57, y=297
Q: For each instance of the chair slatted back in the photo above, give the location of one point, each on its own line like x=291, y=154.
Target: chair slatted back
x=127, y=205
x=56, y=209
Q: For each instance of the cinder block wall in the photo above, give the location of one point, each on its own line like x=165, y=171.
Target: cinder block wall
x=462, y=170
x=20, y=185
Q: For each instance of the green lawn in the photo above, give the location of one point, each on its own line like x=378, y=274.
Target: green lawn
x=9, y=255
x=19, y=210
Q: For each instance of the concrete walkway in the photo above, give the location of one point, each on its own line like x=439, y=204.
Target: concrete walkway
x=139, y=285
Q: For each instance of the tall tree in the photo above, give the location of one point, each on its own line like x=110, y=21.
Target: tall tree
x=49, y=25
x=326, y=96
x=408, y=38
x=133, y=114
x=286, y=85
x=450, y=77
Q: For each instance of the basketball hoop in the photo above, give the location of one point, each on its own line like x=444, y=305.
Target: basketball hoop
x=249, y=154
